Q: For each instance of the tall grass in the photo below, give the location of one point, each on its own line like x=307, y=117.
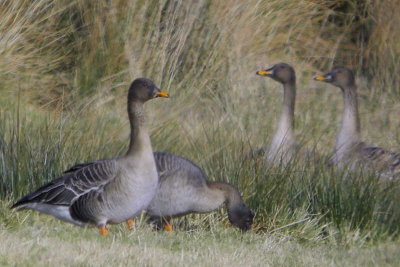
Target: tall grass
x=65, y=67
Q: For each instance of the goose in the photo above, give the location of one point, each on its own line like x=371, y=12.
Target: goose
x=283, y=145
x=349, y=150
x=110, y=190
x=184, y=188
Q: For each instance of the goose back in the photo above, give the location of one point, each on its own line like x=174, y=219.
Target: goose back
x=182, y=188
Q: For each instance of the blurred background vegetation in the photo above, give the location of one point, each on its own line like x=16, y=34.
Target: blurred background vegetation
x=64, y=48
x=65, y=67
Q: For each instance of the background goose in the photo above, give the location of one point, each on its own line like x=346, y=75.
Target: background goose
x=184, y=188
x=283, y=145
x=111, y=190
x=349, y=149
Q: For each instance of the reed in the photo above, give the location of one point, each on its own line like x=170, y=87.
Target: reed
x=65, y=67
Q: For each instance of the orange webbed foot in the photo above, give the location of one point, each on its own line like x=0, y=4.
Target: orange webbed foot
x=168, y=227
x=130, y=223
x=103, y=230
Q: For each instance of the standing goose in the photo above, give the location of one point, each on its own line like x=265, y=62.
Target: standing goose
x=184, y=188
x=110, y=190
x=349, y=149
x=283, y=145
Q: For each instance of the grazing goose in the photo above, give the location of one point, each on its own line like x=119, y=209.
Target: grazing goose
x=349, y=149
x=184, y=188
x=110, y=190
x=283, y=145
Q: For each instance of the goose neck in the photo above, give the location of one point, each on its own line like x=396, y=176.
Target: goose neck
x=350, y=124
x=230, y=193
x=284, y=129
x=139, y=138
x=289, y=99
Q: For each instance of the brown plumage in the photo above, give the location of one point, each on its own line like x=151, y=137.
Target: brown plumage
x=111, y=190
x=349, y=150
x=184, y=188
x=283, y=146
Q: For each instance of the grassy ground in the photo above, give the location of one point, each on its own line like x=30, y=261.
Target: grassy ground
x=338, y=218
x=65, y=67
x=29, y=239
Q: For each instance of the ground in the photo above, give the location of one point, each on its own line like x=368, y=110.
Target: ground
x=32, y=239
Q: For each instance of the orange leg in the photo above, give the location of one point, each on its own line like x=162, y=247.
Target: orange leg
x=103, y=230
x=129, y=224
x=168, y=227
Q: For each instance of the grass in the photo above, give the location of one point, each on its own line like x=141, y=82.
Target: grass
x=64, y=73
x=311, y=206
x=47, y=242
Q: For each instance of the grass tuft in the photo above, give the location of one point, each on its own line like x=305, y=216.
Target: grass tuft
x=65, y=68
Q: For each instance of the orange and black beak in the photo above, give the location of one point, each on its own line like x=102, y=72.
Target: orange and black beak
x=161, y=94
x=324, y=78
x=268, y=72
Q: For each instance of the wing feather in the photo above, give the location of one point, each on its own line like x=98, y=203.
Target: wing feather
x=66, y=189
x=386, y=161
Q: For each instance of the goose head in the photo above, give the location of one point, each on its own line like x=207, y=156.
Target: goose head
x=339, y=76
x=241, y=216
x=143, y=89
x=281, y=72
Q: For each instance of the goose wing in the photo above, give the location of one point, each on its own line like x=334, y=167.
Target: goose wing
x=68, y=188
x=80, y=166
x=388, y=162
x=256, y=153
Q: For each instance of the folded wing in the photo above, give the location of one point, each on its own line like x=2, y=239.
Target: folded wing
x=75, y=184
